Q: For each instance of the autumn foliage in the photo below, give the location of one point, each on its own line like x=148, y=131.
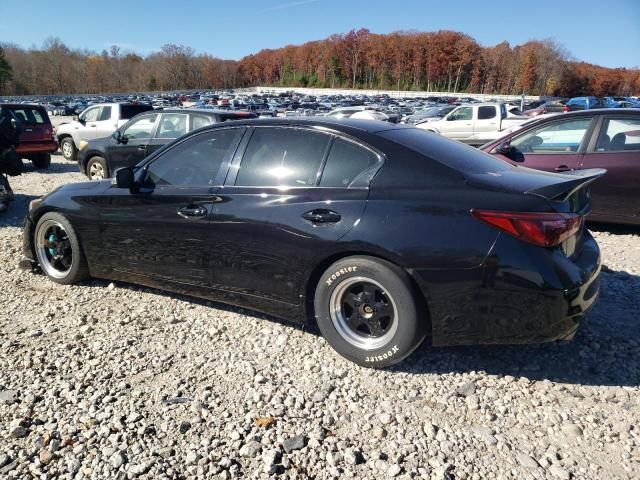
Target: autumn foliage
x=444, y=61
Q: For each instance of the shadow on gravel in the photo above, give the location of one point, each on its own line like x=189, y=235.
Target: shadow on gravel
x=57, y=167
x=605, y=351
x=14, y=216
x=614, y=229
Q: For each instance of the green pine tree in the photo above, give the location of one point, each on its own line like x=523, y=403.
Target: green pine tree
x=6, y=73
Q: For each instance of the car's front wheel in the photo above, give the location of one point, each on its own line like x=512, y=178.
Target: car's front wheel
x=97, y=169
x=68, y=148
x=366, y=309
x=58, y=250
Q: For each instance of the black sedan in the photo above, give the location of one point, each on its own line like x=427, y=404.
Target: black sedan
x=385, y=234
x=144, y=134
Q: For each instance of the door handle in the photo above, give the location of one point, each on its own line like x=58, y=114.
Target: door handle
x=142, y=147
x=562, y=168
x=191, y=212
x=322, y=215
x=92, y=124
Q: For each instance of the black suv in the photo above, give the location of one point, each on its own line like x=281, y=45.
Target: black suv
x=144, y=134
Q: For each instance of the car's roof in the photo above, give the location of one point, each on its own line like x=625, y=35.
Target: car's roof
x=596, y=111
x=345, y=125
x=20, y=105
x=205, y=111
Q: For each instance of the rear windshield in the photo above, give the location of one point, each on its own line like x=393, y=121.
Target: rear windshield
x=32, y=115
x=456, y=155
x=130, y=111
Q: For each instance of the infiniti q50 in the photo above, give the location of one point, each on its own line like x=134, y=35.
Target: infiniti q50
x=383, y=234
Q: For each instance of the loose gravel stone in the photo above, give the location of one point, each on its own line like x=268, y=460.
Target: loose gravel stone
x=8, y=397
x=125, y=382
x=19, y=432
x=294, y=443
x=466, y=389
x=526, y=461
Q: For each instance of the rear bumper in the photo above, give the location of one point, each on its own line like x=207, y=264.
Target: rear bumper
x=515, y=297
x=25, y=148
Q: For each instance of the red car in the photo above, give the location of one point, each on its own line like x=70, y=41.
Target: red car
x=37, y=140
x=554, y=106
x=599, y=138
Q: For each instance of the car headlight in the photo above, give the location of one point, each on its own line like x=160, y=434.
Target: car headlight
x=83, y=143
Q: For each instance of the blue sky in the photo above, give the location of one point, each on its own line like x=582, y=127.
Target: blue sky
x=605, y=33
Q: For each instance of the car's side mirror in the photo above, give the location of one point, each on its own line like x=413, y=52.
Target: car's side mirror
x=125, y=178
x=122, y=138
x=503, y=149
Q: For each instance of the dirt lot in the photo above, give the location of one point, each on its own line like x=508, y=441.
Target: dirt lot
x=116, y=381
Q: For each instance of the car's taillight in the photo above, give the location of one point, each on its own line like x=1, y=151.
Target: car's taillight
x=565, y=109
x=546, y=229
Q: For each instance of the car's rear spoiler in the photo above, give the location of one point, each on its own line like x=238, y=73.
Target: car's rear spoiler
x=555, y=187
x=562, y=190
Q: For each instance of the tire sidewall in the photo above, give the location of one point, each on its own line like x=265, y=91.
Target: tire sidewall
x=102, y=162
x=78, y=270
x=68, y=140
x=411, y=327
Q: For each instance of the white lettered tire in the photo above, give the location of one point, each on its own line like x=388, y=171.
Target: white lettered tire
x=367, y=311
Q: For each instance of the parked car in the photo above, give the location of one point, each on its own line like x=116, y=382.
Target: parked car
x=357, y=112
x=474, y=124
x=429, y=114
x=553, y=106
x=37, y=141
x=584, y=103
x=97, y=121
x=144, y=134
x=602, y=138
x=384, y=234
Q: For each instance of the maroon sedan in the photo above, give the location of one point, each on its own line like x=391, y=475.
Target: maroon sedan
x=604, y=138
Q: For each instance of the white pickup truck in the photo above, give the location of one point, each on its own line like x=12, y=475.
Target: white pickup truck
x=474, y=124
x=97, y=121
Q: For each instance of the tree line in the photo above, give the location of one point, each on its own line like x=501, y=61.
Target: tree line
x=443, y=61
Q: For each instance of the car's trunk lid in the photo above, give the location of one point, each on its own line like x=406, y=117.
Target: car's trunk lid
x=565, y=193
x=554, y=187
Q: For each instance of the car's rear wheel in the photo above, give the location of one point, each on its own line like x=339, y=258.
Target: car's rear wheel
x=366, y=310
x=41, y=160
x=97, y=169
x=58, y=250
x=68, y=148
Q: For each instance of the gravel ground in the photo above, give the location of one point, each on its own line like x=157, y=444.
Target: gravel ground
x=117, y=381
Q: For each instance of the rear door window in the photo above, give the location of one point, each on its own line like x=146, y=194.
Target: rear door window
x=199, y=121
x=172, y=125
x=346, y=161
x=486, y=113
x=619, y=135
x=282, y=157
x=564, y=136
